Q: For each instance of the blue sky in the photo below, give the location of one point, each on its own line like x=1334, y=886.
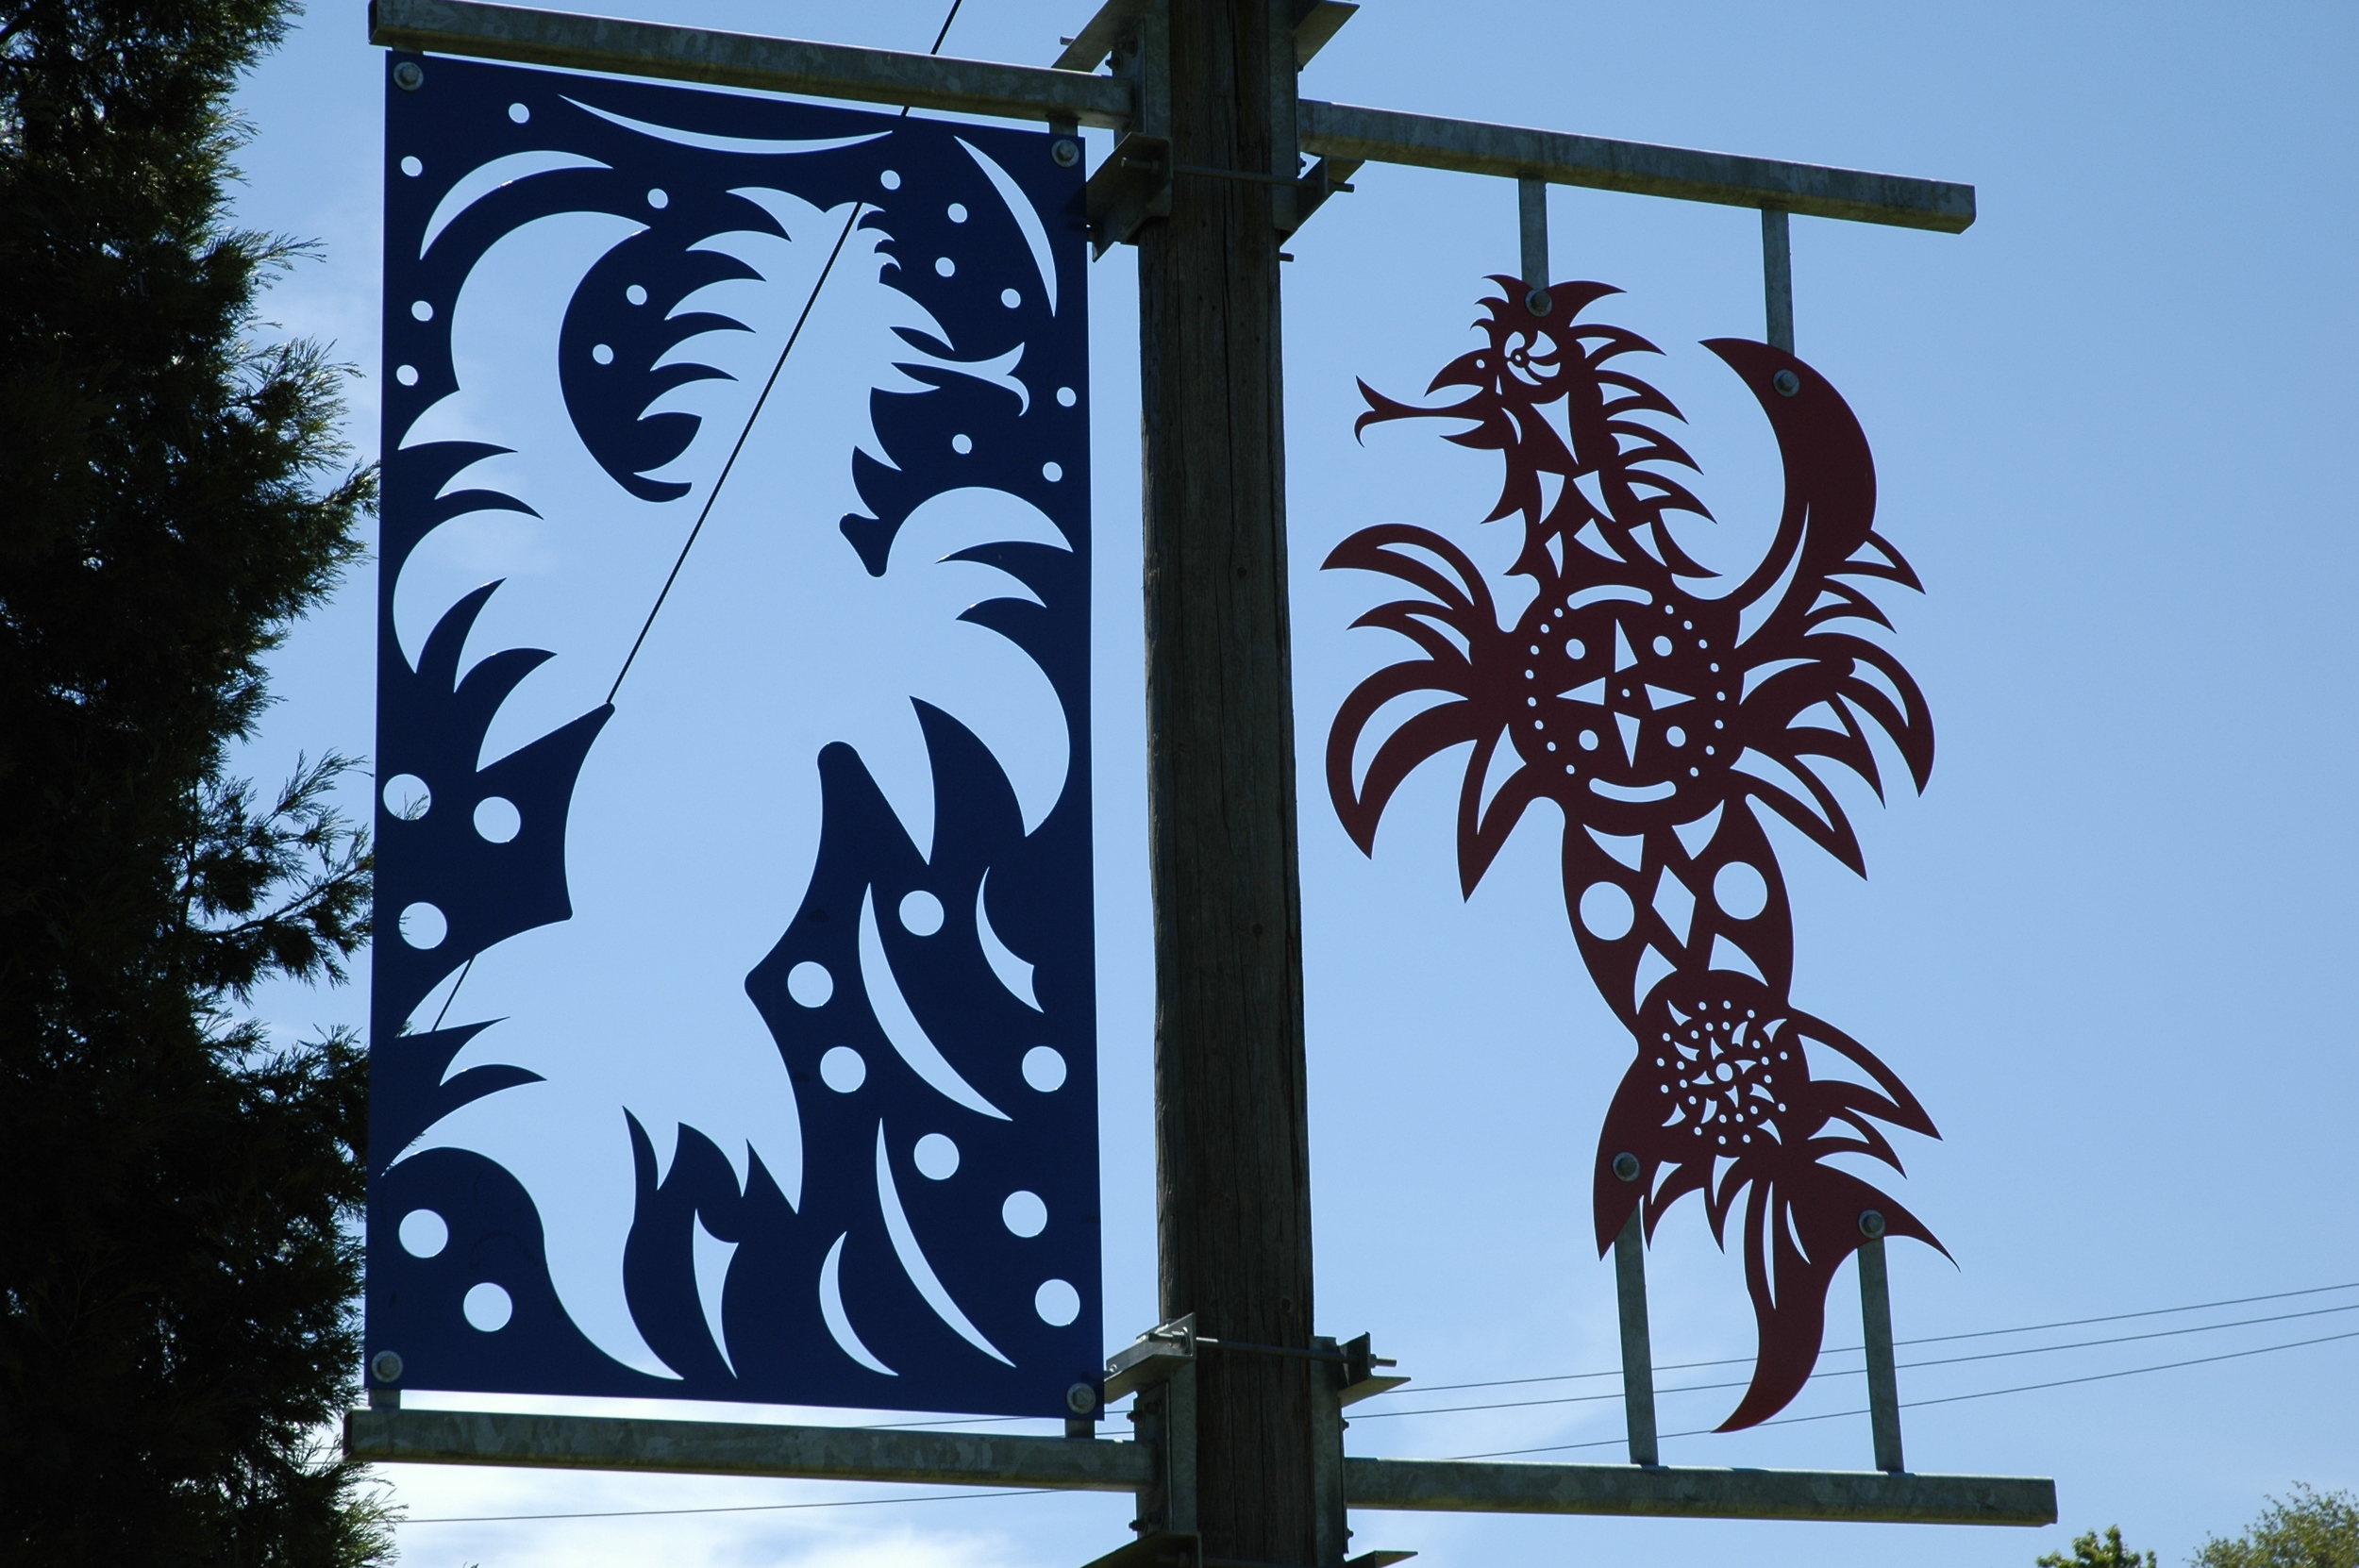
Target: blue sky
x=2109, y=947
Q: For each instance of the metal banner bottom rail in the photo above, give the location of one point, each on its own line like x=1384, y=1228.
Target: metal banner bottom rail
x=972, y=1458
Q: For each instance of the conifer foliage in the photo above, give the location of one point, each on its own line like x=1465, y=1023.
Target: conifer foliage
x=176, y=1268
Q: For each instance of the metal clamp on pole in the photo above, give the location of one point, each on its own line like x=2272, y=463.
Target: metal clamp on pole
x=1348, y=1378
x=1134, y=183
x=1159, y=1367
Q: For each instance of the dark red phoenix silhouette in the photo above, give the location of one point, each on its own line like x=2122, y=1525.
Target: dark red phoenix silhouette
x=1663, y=720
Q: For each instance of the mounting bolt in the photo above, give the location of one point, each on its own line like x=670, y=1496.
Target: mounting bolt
x=409, y=76
x=1626, y=1166
x=1786, y=382
x=1064, y=152
x=386, y=1364
x=1871, y=1223
x=1538, y=302
x=1080, y=1399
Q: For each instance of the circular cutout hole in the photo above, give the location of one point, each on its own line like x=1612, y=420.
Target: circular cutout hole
x=406, y=375
x=1676, y=736
x=1057, y=1302
x=659, y=198
x=810, y=984
x=937, y=1158
x=1052, y=472
x=1066, y=397
x=423, y=926
x=498, y=819
x=636, y=295
x=602, y=353
x=944, y=267
x=958, y=212
x=1010, y=298
x=421, y=311
x=407, y=796
x=962, y=444
x=1044, y=1069
x=488, y=1307
x=519, y=113
x=1606, y=911
x=424, y=1233
x=411, y=167
x=921, y=913
x=1662, y=647
x=843, y=1069
x=1740, y=890
x=1024, y=1215
x=890, y=179
x=1588, y=740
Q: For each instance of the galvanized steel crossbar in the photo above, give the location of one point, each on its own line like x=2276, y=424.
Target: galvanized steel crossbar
x=972, y=1458
x=1340, y=131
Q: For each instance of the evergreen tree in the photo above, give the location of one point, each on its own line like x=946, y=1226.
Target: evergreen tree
x=2310, y=1530
x=176, y=1270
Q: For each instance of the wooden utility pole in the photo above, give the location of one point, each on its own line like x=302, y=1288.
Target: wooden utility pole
x=1232, y=1139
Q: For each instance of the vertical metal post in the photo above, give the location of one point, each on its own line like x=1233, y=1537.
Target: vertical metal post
x=1531, y=212
x=1884, y=1386
x=1777, y=276
x=1630, y=1290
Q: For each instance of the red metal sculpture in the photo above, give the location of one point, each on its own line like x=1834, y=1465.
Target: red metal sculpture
x=1661, y=720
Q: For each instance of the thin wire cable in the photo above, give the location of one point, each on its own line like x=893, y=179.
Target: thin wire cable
x=454, y=993
x=1853, y=1372
x=713, y=494
x=1944, y=1399
x=747, y=1508
x=1928, y=1339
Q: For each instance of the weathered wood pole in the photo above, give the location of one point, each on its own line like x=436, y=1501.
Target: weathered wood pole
x=1231, y=1142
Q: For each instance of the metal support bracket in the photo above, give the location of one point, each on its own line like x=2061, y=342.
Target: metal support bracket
x=1314, y=22
x=1777, y=277
x=1360, y=1379
x=1326, y=1457
x=1630, y=1290
x=1323, y=179
x=1154, y=1551
x=1131, y=186
x=1884, y=1387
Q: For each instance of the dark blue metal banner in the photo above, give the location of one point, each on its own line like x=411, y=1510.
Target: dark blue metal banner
x=733, y=1022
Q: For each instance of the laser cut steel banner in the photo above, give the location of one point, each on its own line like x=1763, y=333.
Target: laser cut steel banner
x=733, y=1017
x=1663, y=712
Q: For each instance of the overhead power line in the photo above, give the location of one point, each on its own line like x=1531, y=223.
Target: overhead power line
x=1929, y=1339
x=1944, y=1399
x=746, y=1507
x=1850, y=1372
x=1612, y=1442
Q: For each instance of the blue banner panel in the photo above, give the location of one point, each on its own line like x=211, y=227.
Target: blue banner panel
x=733, y=1014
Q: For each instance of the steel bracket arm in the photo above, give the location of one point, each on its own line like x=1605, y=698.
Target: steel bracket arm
x=610, y=44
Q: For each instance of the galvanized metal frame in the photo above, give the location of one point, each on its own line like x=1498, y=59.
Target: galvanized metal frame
x=1155, y=1468
x=1341, y=132
x=1158, y=1467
